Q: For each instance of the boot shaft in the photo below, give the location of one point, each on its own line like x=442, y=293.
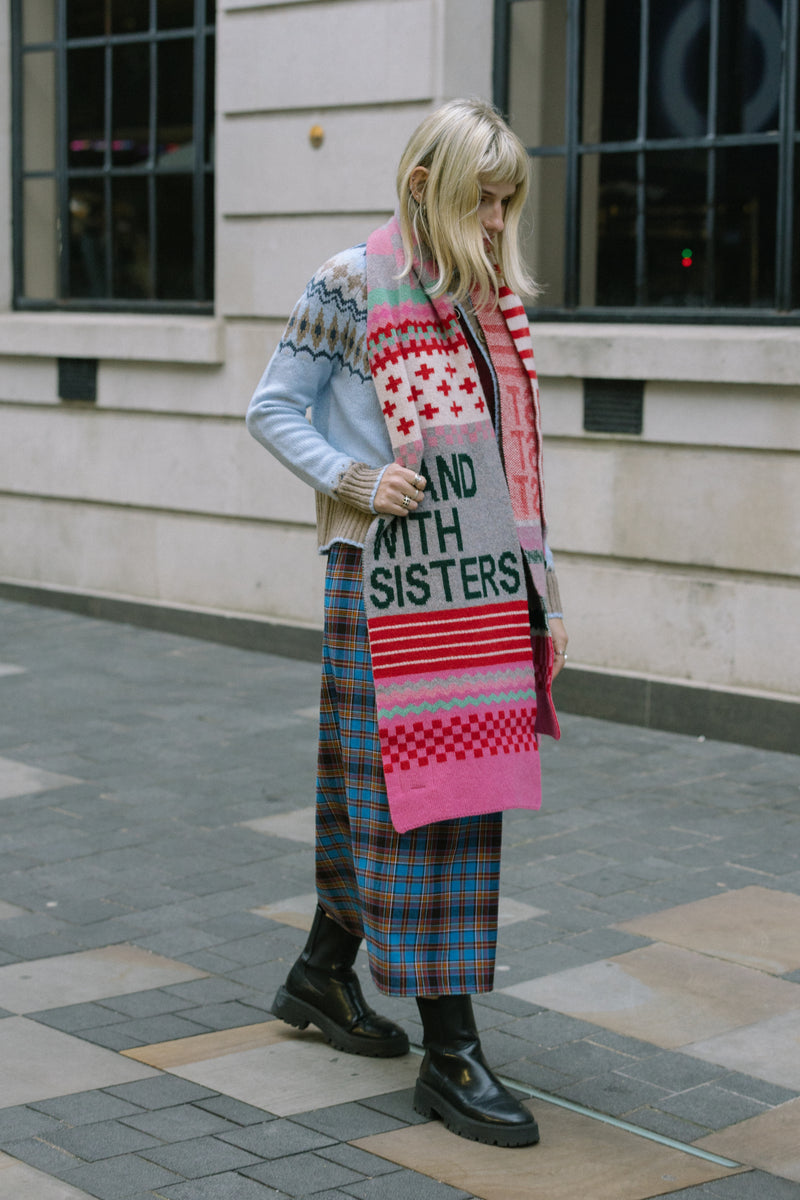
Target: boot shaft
x=330, y=948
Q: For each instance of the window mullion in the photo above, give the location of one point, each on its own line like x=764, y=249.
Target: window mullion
x=572, y=164
x=62, y=155
x=641, y=162
x=107, y=197
x=198, y=120
x=784, y=241
x=153, y=158
x=18, y=240
x=711, y=160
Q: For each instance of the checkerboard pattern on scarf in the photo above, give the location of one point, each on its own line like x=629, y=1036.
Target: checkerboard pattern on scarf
x=425, y=901
x=444, y=587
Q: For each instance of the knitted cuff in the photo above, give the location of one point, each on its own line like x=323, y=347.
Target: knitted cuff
x=357, y=486
x=553, y=594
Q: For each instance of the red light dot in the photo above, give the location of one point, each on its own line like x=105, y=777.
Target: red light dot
x=686, y=262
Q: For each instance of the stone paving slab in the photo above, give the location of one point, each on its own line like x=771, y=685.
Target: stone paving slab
x=156, y=875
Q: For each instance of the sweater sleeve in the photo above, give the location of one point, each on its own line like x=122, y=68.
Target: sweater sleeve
x=295, y=384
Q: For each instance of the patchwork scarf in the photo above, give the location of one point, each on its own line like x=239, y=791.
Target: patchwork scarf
x=462, y=687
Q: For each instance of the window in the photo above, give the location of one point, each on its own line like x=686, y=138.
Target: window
x=113, y=110
x=664, y=139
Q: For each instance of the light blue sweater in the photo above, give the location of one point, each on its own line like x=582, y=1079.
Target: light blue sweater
x=316, y=408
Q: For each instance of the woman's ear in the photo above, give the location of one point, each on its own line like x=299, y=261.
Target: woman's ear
x=416, y=182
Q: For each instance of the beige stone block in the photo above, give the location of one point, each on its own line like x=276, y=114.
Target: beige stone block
x=219, y=390
x=353, y=52
x=297, y=826
x=769, y=1050
x=295, y=1071
x=270, y=260
x=18, y=1181
x=768, y=1142
x=562, y=412
x=205, y=563
x=754, y=926
x=130, y=336
x=85, y=976
x=18, y=779
x=29, y=381
x=693, y=353
x=681, y=625
x=664, y=995
x=331, y=178
x=203, y=1046
x=39, y=1063
x=577, y=1156
x=297, y=911
x=175, y=462
x=677, y=505
x=713, y=414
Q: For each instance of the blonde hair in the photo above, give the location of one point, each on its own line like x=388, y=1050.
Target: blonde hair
x=464, y=145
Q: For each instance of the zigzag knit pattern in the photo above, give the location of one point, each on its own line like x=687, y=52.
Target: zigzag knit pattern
x=330, y=320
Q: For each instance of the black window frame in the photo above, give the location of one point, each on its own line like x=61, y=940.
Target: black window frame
x=787, y=139
x=202, y=173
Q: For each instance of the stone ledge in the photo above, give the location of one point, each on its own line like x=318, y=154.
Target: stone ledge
x=118, y=336
x=697, y=353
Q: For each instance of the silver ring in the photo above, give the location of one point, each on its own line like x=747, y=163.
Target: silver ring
x=417, y=481
x=418, y=493
x=405, y=501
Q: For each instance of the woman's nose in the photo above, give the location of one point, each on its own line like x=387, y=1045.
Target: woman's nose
x=494, y=222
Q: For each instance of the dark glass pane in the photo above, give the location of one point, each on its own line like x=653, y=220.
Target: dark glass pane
x=87, y=239
x=746, y=214
x=211, y=12
x=795, y=301
x=209, y=99
x=611, y=70
x=87, y=18
x=175, y=14
x=85, y=106
x=175, y=237
x=131, y=239
x=537, y=71
x=676, y=245
x=175, y=100
x=678, y=68
x=130, y=111
x=130, y=16
x=749, y=66
x=209, y=239
x=608, y=232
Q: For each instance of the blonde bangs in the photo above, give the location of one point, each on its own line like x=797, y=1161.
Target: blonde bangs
x=464, y=145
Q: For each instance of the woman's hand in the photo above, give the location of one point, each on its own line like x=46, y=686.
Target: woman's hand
x=558, y=633
x=399, y=491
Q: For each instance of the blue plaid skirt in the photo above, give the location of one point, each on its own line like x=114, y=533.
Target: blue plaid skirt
x=424, y=901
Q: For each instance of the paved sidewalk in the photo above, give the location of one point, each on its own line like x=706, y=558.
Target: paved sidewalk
x=156, y=876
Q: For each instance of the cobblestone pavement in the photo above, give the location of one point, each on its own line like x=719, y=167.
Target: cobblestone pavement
x=156, y=880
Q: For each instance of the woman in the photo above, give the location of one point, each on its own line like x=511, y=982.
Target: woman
x=442, y=620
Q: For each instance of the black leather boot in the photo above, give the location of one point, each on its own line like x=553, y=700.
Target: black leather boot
x=322, y=989
x=457, y=1084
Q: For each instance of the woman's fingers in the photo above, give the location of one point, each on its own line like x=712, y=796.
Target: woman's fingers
x=400, y=491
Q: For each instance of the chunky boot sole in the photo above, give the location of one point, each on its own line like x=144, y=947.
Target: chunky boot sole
x=429, y=1103
x=299, y=1013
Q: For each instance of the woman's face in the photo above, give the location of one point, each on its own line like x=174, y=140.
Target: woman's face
x=492, y=206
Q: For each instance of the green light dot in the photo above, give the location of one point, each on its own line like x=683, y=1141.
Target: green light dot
x=686, y=253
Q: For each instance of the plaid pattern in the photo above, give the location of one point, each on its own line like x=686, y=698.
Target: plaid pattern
x=426, y=900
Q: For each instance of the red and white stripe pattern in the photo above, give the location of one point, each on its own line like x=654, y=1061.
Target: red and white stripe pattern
x=490, y=635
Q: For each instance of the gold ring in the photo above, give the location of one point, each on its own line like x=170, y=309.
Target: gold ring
x=406, y=501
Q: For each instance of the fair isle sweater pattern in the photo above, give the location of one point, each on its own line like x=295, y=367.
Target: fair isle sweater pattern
x=331, y=321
